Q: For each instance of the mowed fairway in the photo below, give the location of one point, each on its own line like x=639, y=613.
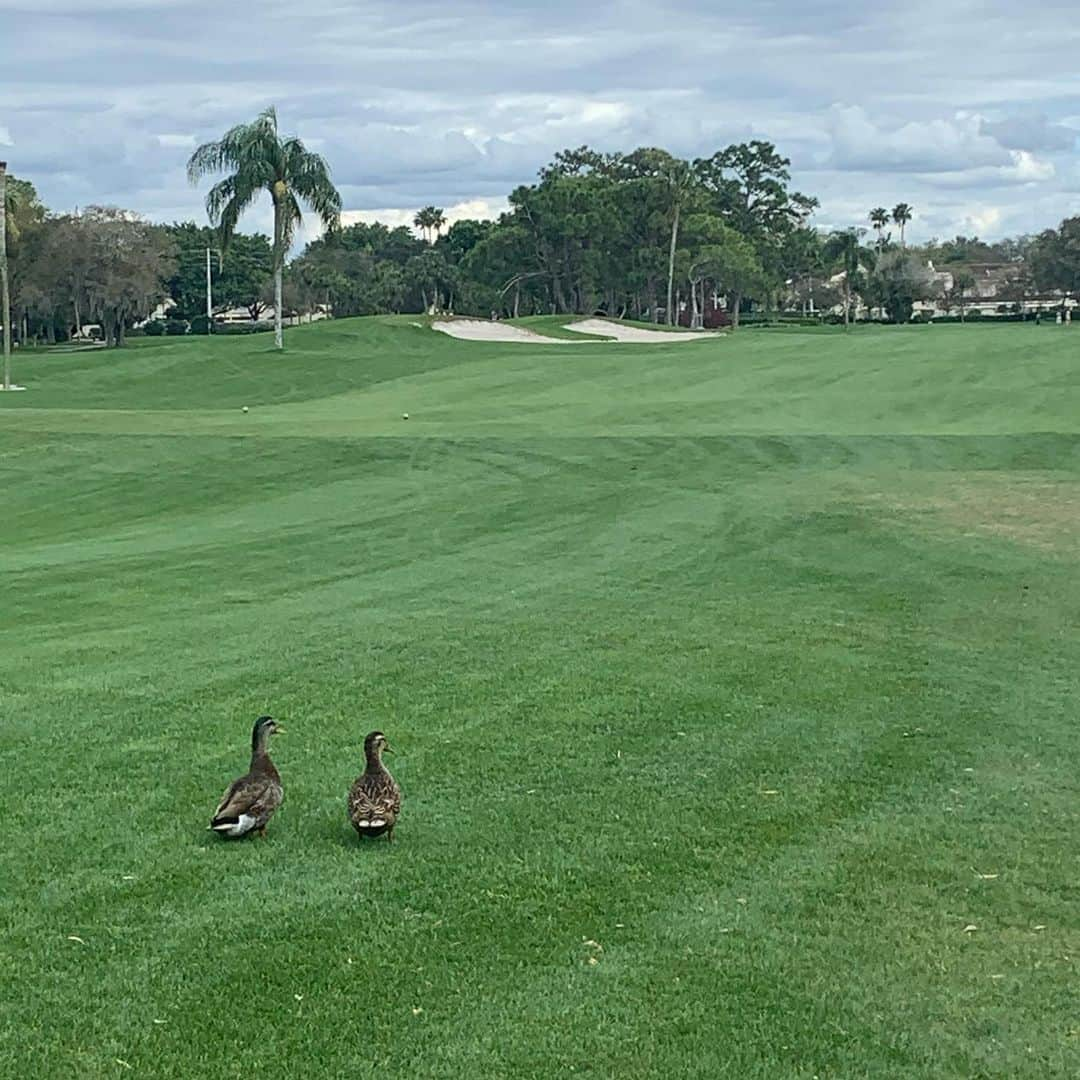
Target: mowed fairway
x=733, y=687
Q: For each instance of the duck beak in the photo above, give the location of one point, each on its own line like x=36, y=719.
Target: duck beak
x=387, y=748
x=278, y=729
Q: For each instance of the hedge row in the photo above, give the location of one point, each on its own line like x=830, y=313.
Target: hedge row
x=201, y=325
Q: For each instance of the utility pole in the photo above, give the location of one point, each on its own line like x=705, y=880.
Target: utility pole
x=5, y=305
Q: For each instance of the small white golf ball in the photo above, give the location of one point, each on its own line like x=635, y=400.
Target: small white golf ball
x=245, y=409
x=404, y=416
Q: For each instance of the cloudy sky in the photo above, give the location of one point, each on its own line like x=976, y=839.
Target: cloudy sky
x=968, y=110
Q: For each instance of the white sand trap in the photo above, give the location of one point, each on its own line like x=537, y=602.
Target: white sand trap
x=619, y=332
x=487, y=330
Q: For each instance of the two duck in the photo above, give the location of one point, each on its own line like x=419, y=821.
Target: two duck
x=249, y=803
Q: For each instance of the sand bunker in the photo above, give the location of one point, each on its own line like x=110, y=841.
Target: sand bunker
x=485, y=330
x=619, y=332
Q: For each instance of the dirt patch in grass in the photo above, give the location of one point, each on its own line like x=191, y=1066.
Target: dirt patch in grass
x=1038, y=510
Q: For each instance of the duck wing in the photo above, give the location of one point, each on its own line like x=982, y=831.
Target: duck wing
x=375, y=798
x=252, y=795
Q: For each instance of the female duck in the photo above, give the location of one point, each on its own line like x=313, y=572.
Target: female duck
x=251, y=801
x=375, y=798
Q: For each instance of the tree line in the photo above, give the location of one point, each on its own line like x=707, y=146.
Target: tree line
x=643, y=234
x=649, y=236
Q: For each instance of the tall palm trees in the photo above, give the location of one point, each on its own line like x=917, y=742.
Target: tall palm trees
x=902, y=214
x=879, y=218
x=430, y=221
x=5, y=291
x=258, y=159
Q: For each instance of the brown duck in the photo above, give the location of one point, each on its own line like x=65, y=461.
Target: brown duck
x=375, y=798
x=251, y=801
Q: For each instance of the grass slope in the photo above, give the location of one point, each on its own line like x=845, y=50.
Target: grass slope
x=733, y=687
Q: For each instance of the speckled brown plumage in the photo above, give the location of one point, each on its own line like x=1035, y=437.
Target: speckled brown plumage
x=375, y=798
x=251, y=800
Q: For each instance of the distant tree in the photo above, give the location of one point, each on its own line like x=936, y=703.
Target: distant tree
x=845, y=252
x=726, y=258
x=420, y=220
x=502, y=264
x=879, y=218
x=569, y=221
x=128, y=263
x=897, y=280
x=1014, y=248
x=437, y=222
x=961, y=249
x=388, y=287
x=902, y=213
x=963, y=281
x=678, y=179
x=261, y=160
x=462, y=237
x=738, y=273
x=1054, y=258
x=61, y=267
x=20, y=208
x=747, y=184
x=5, y=284
x=801, y=262
x=430, y=221
x=582, y=161
x=434, y=279
x=241, y=280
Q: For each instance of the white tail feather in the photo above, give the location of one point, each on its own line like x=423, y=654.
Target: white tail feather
x=235, y=828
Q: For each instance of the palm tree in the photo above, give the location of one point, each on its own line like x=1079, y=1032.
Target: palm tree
x=423, y=220
x=843, y=250
x=680, y=178
x=902, y=214
x=429, y=221
x=438, y=220
x=879, y=218
x=5, y=291
x=261, y=160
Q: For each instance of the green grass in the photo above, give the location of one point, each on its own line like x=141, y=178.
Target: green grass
x=746, y=669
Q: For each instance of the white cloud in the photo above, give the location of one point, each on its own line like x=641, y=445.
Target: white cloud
x=1023, y=169
x=937, y=145
x=181, y=141
x=1030, y=132
x=430, y=103
x=984, y=220
x=477, y=209
x=1027, y=168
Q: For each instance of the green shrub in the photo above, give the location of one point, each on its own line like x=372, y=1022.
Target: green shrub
x=772, y=318
x=154, y=329
x=176, y=327
x=201, y=324
x=245, y=328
